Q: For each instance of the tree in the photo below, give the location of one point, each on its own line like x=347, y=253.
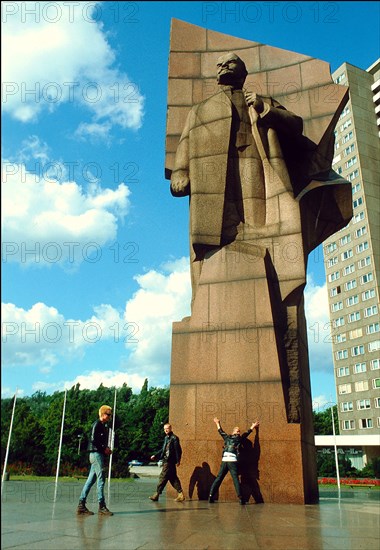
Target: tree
x=323, y=422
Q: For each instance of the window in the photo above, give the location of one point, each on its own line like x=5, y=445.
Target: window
x=369, y=311
x=348, y=269
x=347, y=137
x=364, y=262
x=368, y=294
x=348, y=150
x=375, y=364
x=347, y=406
x=365, y=423
x=361, y=386
x=358, y=217
x=350, y=284
x=345, y=125
x=341, y=354
x=357, y=333
x=353, y=175
x=340, y=338
x=356, y=188
x=332, y=261
x=334, y=276
x=337, y=306
x=351, y=162
x=345, y=240
x=352, y=300
x=376, y=383
x=362, y=246
x=377, y=402
x=360, y=367
x=334, y=291
x=363, y=404
x=352, y=317
x=361, y=231
x=372, y=328
x=368, y=277
x=331, y=247
x=374, y=346
x=357, y=350
x=338, y=322
x=357, y=202
x=339, y=78
x=343, y=371
x=345, y=112
x=345, y=388
x=347, y=254
x=348, y=424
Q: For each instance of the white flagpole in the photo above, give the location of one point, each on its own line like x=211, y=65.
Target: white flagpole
x=112, y=443
x=9, y=441
x=60, y=446
x=335, y=451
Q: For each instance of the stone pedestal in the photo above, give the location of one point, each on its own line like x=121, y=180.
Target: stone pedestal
x=242, y=356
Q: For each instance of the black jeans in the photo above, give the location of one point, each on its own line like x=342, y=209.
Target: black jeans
x=226, y=467
x=168, y=473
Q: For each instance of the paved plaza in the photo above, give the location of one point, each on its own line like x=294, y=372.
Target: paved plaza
x=32, y=520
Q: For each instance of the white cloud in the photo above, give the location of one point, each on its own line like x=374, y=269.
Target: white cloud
x=92, y=380
x=59, y=221
x=61, y=55
x=43, y=337
x=163, y=297
x=318, y=327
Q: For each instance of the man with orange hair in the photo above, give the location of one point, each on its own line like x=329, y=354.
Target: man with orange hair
x=98, y=449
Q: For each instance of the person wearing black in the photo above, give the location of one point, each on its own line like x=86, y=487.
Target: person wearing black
x=170, y=454
x=230, y=458
x=98, y=449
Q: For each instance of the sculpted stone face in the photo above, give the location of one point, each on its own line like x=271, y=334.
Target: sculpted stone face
x=230, y=69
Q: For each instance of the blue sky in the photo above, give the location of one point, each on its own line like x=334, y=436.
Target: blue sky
x=95, y=249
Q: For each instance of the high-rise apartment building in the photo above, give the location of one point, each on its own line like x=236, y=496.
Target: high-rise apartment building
x=351, y=256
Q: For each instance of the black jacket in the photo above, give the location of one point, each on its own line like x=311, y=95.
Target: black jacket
x=232, y=442
x=174, y=451
x=98, y=437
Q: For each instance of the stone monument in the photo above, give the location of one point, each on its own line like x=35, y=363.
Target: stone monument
x=250, y=140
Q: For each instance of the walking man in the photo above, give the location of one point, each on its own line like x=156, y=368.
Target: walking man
x=98, y=449
x=170, y=454
x=230, y=459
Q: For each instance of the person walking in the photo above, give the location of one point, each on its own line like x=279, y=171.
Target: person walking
x=170, y=454
x=98, y=449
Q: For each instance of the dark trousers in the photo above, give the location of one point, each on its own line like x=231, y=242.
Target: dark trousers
x=226, y=467
x=168, y=473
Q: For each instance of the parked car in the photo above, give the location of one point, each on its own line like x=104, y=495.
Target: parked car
x=135, y=463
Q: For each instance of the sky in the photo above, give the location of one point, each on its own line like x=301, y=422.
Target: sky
x=95, y=260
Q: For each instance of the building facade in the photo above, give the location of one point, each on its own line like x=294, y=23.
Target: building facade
x=351, y=256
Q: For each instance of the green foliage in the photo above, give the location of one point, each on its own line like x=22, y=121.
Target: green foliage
x=34, y=445
x=323, y=422
x=372, y=469
x=326, y=465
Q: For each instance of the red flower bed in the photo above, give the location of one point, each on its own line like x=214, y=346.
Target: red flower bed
x=348, y=481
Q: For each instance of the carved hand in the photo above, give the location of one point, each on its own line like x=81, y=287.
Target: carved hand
x=255, y=100
x=179, y=181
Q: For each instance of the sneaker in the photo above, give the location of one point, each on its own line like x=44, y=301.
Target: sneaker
x=103, y=511
x=180, y=497
x=242, y=501
x=211, y=499
x=83, y=510
x=154, y=497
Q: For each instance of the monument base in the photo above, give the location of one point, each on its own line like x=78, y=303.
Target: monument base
x=241, y=357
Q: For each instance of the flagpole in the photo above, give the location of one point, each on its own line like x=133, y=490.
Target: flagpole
x=112, y=444
x=60, y=446
x=9, y=441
